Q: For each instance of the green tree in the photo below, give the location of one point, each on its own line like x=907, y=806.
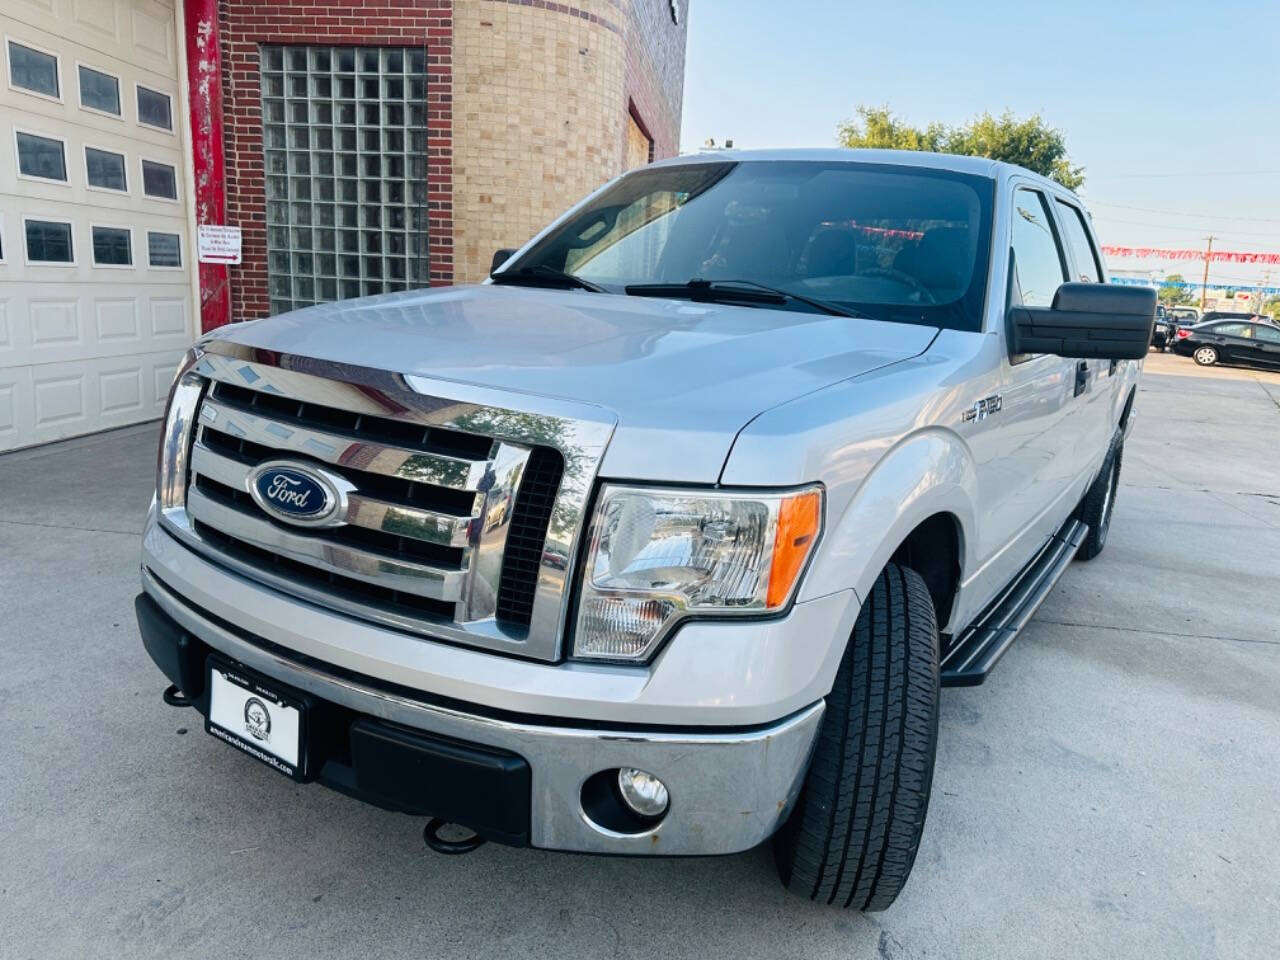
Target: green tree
x=1272, y=308
x=1173, y=292
x=1029, y=142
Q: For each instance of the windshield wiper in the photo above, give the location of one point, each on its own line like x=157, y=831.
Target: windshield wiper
x=544, y=276
x=735, y=291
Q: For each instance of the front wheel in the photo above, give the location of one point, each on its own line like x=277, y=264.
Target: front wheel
x=1205, y=356
x=852, y=839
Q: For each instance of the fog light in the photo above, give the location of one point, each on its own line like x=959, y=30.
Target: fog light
x=644, y=793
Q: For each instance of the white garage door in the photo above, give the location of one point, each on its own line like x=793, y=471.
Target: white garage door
x=95, y=260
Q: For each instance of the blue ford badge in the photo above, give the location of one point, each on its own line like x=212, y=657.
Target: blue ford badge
x=294, y=493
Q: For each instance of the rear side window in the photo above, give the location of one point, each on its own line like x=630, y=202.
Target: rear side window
x=1037, y=258
x=1088, y=269
x=1232, y=329
x=1269, y=334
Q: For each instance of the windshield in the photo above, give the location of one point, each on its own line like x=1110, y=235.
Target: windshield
x=890, y=242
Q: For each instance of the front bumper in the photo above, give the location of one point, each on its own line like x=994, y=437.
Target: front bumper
x=730, y=788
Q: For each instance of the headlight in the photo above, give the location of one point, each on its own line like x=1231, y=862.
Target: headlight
x=175, y=440
x=658, y=556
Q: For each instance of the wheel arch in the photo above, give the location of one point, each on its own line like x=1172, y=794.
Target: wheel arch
x=921, y=494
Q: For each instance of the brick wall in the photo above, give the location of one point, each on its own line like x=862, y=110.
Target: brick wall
x=655, y=70
x=529, y=106
x=544, y=92
x=244, y=24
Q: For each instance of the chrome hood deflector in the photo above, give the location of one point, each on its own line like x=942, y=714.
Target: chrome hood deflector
x=681, y=378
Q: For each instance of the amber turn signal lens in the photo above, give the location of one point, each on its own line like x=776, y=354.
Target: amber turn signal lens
x=799, y=520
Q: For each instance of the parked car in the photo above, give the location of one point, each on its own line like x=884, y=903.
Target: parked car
x=790, y=438
x=1183, y=316
x=1230, y=341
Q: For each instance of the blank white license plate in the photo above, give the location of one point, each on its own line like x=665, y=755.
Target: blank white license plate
x=253, y=717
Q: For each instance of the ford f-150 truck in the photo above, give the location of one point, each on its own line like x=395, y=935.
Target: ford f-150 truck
x=662, y=540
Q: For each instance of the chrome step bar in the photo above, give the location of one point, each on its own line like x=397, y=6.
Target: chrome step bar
x=981, y=646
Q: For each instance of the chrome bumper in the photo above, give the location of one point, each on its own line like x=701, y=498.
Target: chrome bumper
x=730, y=789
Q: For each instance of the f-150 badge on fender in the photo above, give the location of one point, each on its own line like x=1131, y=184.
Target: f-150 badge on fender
x=984, y=408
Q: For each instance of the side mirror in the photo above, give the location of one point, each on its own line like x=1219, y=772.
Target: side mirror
x=1094, y=321
x=499, y=258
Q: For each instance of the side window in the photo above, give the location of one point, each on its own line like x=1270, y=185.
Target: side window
x=1038, y=262
x=1267, y=334
x=1232, y=329
x=1088, y=269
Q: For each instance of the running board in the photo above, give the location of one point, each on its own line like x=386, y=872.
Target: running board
x=979, y=648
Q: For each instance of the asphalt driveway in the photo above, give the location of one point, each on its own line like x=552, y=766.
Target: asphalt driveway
x=1113, y=791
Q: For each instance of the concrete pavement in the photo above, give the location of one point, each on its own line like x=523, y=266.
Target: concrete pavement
x=1111, y=792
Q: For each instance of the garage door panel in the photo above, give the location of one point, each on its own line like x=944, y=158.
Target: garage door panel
x=100, y=18
x=117, y=321
x=55, y=322
x=120, y=391
x=55, y=401
x=95, y=320
x=89, y=346
x=8, y=410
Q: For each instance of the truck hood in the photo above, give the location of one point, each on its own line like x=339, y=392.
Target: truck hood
x=682, y=378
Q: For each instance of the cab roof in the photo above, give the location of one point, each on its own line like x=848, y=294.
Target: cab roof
x=974, y=166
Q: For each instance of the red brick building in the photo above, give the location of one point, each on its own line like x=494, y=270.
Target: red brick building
x=365, y=146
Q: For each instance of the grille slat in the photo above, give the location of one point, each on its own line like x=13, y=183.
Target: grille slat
x=418, y=507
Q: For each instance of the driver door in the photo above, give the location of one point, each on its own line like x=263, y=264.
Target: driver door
x=1028, y=477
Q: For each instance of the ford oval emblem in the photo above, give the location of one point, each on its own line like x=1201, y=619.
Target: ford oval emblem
x=295, y=493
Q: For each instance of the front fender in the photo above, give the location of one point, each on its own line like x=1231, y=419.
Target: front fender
x=927, y=473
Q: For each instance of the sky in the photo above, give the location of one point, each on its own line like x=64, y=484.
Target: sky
x=1172, y=108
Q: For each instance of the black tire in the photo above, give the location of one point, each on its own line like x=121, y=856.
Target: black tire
x=1205, y=355
x=1099, y=502
x=853, y=835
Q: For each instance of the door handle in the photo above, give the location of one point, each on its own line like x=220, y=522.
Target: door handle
x=1082, y=377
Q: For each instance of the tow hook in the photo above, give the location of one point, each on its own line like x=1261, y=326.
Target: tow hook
x=431, y=836
x=175, y=697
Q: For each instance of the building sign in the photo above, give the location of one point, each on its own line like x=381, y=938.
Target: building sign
x=216, y=243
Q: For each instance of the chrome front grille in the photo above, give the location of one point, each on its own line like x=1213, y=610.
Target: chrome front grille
x=458, y=519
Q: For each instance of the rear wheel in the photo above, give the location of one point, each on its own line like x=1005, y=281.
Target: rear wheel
x=1205, y=356
x=853, y=836
x=1100, y=501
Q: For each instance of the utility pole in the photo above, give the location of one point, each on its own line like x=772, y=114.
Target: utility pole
x=1204, y=287
x=1262, y=292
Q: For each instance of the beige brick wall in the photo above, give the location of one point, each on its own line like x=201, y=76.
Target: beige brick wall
x=539, y=114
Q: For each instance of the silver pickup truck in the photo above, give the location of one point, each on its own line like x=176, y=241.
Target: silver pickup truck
x=663, y=540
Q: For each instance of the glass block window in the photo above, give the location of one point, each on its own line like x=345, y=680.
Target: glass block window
x=345, y=142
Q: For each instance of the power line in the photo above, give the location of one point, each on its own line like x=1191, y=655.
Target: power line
x=1178, y=213
x=1272, y=234
x=1191, y=173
